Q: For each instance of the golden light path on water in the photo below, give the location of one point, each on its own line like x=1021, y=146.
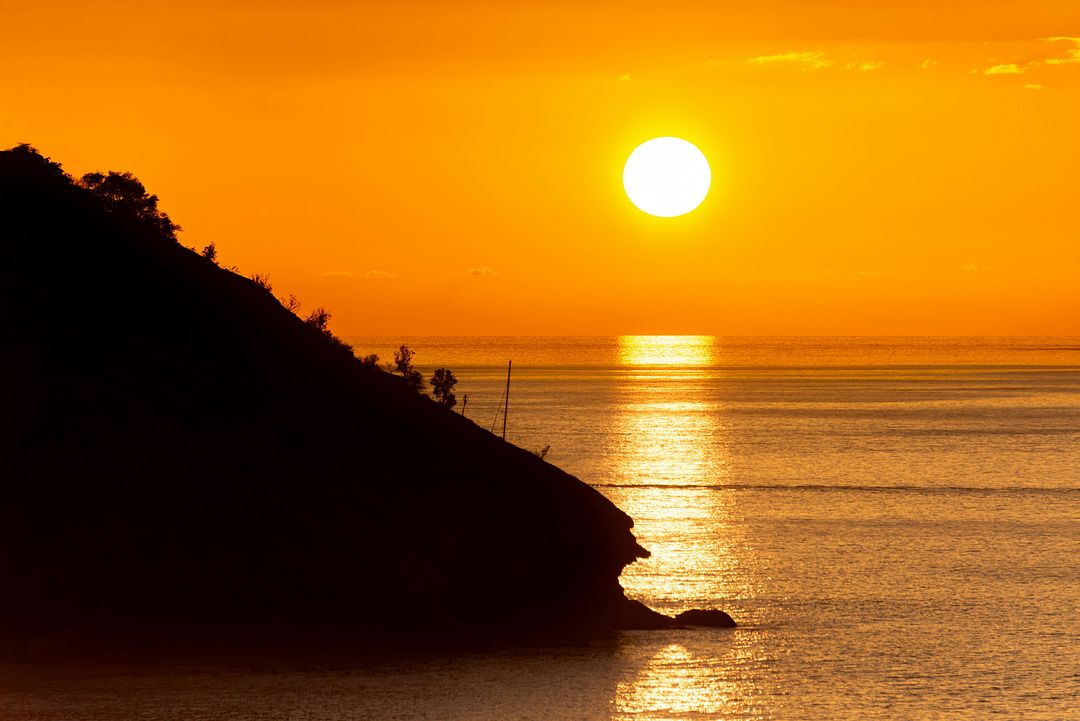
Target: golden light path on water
x=666, y=350
x=674, y=457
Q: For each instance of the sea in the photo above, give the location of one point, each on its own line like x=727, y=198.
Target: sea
x=893, y=522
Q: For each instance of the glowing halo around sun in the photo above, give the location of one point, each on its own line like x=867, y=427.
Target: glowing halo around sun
x=667, y=177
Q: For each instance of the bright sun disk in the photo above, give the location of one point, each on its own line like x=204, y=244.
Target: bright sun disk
x=667, y=177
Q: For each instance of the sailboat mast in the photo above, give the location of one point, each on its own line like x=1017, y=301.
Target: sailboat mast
x=506, y=402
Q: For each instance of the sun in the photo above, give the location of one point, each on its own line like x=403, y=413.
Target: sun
x=667, y=177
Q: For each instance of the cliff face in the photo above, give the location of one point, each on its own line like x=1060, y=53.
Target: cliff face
x=183, y=454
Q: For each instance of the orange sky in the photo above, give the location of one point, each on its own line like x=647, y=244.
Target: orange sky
x=455, y=168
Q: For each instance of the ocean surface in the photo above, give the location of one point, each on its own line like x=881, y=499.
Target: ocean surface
x=893, y=522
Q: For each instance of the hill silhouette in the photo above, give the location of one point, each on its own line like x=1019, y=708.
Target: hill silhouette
x=184, y=457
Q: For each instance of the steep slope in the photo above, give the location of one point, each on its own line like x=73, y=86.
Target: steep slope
x=184, y=455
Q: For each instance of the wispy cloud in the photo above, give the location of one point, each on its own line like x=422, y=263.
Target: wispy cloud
x=865, y=65
x=1072, y=55
x=1007, y=69
x=815, y=61
x=380, y=274
x=482, y=271
x=1033, y=86
x=805, y=60
x=928, y=63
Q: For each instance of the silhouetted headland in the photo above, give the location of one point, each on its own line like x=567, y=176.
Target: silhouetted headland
x=186, y=458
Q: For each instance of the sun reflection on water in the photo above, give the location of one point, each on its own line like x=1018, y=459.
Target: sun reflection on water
x=671, y=682
x=680, y=682
x=666, y=350
x=674, y=460
x=671, y=450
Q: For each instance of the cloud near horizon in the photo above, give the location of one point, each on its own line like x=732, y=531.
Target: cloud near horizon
x=815, y=61
x=1064, y=55
x=1072, y=55
x=482, y=271
x=865, y=65
x=806, y=60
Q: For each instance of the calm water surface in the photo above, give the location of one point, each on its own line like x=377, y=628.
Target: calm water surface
x=895, y=524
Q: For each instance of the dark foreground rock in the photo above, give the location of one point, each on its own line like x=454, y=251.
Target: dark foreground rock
x=699, y=617
x=184, y=457
x=635, y=615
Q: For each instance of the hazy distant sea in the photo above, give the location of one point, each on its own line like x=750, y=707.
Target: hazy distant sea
x=894, y=523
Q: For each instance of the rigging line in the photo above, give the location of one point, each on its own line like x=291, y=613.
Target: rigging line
x=504, y=403
x=497, y=412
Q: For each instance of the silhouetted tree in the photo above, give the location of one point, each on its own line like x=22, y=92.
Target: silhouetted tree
x=319, y=319
x=372, y=360
x=442, y=387
x=33, y=164
x=402, y=360
x=123, y=194
x=292, y=303
x=210, y=253
x=263, y=281
x=403, y=364
x=415, y=381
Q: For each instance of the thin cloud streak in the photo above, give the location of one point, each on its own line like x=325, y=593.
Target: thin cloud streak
x=1007, y=69
x=1072, y=55
x=806, y=60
